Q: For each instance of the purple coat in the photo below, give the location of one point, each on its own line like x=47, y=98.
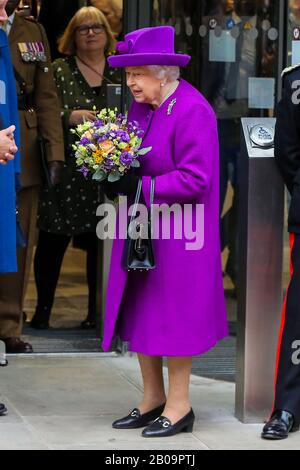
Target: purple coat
x=178, y=309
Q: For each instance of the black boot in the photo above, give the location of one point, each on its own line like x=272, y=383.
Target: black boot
x=41, y=318
x=279, y=426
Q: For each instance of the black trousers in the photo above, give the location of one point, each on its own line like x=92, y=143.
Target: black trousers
x=48, y=259
x=288, y=359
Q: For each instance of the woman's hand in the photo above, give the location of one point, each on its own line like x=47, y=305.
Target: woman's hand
x=80, y=115
x=8, y=146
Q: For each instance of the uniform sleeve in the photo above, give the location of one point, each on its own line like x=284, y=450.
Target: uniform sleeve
x=194, y=148
x=287, y=135
x=48, y=111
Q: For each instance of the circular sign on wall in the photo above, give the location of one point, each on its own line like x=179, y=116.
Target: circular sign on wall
x=296, y=33
x=262, y=136
x=213, y=23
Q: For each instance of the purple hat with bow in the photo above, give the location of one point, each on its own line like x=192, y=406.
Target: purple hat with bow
x=148, y=46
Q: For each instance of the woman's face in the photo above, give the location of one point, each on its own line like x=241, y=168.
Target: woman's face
x=3, y=15
x=90, y=36
x=145, y=87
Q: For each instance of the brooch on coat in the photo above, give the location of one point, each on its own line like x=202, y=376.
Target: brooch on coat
x=171, y=105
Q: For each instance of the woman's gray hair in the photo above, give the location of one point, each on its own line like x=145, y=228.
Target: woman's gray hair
x=169, y=72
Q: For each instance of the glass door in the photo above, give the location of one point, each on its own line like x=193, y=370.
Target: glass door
x=235, y=48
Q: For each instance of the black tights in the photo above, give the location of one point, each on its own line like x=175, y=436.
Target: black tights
x=48, y=259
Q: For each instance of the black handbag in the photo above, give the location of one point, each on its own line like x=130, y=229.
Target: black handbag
x=138, y=252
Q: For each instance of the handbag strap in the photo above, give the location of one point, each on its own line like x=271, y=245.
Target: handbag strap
x=137, y=200
x=150, y=217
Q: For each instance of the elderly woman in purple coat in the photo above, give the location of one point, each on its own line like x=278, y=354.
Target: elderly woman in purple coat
x=176, y=310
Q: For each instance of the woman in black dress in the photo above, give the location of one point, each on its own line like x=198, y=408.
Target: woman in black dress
x=68, y=210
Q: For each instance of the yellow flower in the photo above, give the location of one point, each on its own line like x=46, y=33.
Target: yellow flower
x=97, y=156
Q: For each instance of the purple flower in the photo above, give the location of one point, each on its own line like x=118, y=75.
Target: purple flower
x=126, y=158
x=102, y=138
x=123, y=136
x=108, y=163
x=84, y=141
x=98, y=123
x=84, y=170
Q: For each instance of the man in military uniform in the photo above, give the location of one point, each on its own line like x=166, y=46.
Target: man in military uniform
x=285, y=417
x=39, y=115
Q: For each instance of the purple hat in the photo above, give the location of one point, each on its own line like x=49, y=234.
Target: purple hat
x=148, y=46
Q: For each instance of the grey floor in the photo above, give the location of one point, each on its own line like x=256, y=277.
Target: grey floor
x=70, y=403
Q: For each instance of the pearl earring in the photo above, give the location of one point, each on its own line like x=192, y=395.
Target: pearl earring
x=162, y=84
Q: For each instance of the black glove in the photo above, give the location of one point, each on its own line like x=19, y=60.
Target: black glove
x=126, y=185
x=55, y=171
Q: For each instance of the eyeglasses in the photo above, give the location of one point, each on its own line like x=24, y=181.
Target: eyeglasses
x=95, y=28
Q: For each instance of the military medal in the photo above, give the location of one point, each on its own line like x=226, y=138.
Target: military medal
x=41, y=51
x=35, y=47
x=25, y=53
x=31, y=51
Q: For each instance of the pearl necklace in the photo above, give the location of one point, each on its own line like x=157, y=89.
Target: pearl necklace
x=174, y=87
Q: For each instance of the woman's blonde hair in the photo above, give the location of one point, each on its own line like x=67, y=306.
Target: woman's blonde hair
x=67, y=44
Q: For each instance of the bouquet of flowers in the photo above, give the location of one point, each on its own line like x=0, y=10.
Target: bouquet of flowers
x=109, y=146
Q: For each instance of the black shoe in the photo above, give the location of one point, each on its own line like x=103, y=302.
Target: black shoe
x=137, y=420
x=3, y=409
x=15, y=345
x=40, y=320
x=162, y=426
x=280, y=425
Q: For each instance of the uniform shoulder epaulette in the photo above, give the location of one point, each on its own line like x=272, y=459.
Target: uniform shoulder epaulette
x=290, y=69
